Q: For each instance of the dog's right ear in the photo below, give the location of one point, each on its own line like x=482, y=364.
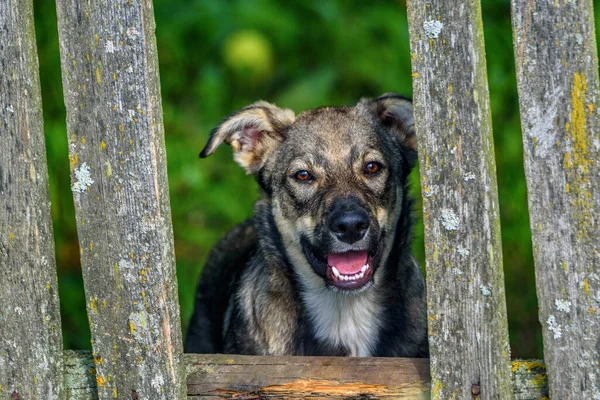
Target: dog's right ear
x=396, y=113
x=253, y=132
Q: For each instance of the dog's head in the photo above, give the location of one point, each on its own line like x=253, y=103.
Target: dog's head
x=335, y=178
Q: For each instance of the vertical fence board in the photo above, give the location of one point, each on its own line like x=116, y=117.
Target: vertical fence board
x=119, y=184
x=468, y=334
x=557, y=73
x=30, y=334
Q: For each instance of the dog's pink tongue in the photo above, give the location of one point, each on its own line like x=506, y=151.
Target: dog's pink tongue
x=348, y=263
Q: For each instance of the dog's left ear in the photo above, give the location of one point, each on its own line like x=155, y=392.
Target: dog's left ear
x=396, y=113
x=253, y=133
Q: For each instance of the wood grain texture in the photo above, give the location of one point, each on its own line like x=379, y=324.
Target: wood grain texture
x=119, y=183
x=299, y=377
x=243, y=377
x=557, y=75
x=468, y=334
x=30, y=334
x=80, y=375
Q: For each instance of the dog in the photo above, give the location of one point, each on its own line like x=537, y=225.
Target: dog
x=324, y=267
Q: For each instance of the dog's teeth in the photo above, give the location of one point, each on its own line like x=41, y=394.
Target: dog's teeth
x=364, y=268
x=354, y=277
x=357, y=276
x=335, y=271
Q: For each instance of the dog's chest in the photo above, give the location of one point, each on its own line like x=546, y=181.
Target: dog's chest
x=352, y=321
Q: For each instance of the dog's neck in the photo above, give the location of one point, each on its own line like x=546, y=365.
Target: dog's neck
x=345, y=320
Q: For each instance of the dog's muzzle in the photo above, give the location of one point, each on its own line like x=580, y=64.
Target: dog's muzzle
x=348, y=251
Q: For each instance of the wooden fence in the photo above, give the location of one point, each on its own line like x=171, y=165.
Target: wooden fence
x=119, y=184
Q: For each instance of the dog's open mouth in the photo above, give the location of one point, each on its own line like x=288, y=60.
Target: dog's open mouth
x=348, y=271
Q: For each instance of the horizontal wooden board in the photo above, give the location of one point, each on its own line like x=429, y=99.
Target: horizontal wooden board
x=334, y=377
x=246, y=377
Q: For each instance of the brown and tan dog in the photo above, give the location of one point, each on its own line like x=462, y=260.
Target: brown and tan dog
x=325, y=266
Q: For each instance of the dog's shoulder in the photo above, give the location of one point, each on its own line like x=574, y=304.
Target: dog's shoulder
x=234, y=249
x=263, y=311
x=406, y=334
x=217, y=282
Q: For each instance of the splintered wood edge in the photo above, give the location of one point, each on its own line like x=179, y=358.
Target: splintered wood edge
x=254, y=377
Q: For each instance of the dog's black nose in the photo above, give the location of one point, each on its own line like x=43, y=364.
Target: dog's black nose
x=349, y=226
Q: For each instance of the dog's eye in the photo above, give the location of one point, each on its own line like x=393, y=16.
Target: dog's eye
x=372, y=168
x=303, y=176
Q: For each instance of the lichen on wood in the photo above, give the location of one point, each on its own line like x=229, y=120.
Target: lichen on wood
x=557, y=76
x=119, y=184
x=258, y=377
x=30, y=330
x=468, y=335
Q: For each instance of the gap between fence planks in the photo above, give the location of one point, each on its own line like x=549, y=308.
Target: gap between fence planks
x=468, y=326
x=557, y=75
x=30, y=328
x=254, y=377
x=120, y=190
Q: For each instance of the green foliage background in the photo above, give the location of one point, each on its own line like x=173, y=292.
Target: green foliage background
x=218, y=56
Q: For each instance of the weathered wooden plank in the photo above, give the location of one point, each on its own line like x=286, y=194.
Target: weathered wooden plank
x=529, y=380
x=333, y=377
x=119, y=183
x=30, y=334
x=557, y=74
x=245, y=377
x=468, y=334
x=80, y=375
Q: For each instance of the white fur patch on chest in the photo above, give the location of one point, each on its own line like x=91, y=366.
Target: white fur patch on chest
x=347, y=319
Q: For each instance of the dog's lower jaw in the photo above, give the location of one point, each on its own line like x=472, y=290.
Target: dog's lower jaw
x=350, y=271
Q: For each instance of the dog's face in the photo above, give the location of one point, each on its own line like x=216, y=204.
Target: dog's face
x=335, y=179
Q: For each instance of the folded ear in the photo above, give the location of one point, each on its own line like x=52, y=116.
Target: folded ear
x=253, y=132
x=396, y=113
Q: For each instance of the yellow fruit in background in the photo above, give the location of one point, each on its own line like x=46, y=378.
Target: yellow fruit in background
x=249, y=54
